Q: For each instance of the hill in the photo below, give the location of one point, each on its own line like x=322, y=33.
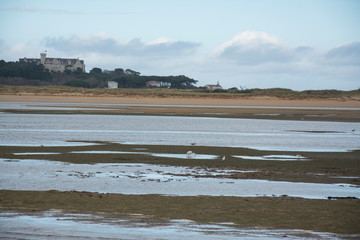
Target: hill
x=32, y=74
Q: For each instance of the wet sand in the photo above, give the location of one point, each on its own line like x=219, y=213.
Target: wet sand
x=336, y=216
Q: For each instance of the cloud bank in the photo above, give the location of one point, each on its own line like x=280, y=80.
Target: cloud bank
x=113, y=46
x=348, y=53
x=251, y=59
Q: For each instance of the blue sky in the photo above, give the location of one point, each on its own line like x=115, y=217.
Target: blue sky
x=254, y=44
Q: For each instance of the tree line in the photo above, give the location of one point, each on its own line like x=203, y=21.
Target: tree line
x=24, y=73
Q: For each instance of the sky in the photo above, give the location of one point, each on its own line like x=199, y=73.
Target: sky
x=296, y=44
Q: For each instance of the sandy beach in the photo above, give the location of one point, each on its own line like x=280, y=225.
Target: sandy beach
x=245, y=101
x=260, y=107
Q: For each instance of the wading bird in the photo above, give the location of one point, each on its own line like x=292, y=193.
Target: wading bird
x=190, y=154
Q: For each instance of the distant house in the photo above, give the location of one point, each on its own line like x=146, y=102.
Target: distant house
x=212, y=87
x=153, y=84
x=112, y=84
x=131, y=72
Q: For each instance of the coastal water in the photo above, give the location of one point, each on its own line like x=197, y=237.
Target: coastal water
x=56, y=129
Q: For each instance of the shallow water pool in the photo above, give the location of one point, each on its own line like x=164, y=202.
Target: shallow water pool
x=58, y=225
x=152, y=179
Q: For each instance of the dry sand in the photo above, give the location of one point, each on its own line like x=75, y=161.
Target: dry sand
x=251, y=101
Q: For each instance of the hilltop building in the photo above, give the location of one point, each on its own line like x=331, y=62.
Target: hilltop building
x=56, y=64
x=212, y=87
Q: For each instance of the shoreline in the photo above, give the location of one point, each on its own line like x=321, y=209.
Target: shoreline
x=265, y=101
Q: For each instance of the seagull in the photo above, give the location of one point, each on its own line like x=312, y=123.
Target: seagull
x=223, y=159
x=190, y=154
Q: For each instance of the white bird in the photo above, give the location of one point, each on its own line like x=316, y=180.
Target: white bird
x=223, y=159
x=190, y=154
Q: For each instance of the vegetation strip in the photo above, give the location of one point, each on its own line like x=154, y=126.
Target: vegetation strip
x=280, y=93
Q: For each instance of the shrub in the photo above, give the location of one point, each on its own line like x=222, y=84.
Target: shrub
x=77, y=83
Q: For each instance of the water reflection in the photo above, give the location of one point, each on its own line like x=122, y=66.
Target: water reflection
x=38, y=129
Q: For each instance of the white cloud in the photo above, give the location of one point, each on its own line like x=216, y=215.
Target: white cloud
x=9, y=52
x=254, y=48
x=162, y=40
x=40, y=10
x=258, y=59
x=21, y=47
x=250, y=39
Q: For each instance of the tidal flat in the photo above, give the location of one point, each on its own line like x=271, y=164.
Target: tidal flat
x=306, y=165
x=273, y=211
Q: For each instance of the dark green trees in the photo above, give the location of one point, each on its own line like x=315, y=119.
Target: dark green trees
x=24, y=70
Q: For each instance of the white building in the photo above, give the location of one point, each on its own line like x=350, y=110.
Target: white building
x=112, y=84
x=212, y=87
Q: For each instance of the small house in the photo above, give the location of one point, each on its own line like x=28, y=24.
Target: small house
x=212, y=87
x=153, y=84
x=112, y=84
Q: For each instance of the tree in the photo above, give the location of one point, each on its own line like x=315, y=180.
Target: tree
x=119, y=71
x=181, y=82
x=95, y=71
x=31, y=71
